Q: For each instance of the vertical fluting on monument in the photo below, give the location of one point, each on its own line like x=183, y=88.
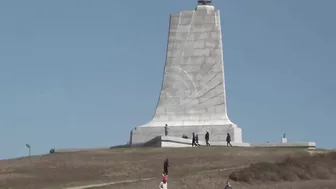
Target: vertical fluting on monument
x=193, y=88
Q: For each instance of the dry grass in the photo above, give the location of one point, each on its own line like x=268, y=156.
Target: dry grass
x=190, y=167
x=316, y=167
x=217, y=180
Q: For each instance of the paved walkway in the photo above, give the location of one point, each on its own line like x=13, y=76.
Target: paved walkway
x=108, y=183
x=151, y=178
x=224, y=169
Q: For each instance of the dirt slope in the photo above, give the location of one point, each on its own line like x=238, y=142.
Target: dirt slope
x=320, y=166
x=190, y=167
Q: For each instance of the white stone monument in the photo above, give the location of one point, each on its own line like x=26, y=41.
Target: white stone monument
x=192, y=97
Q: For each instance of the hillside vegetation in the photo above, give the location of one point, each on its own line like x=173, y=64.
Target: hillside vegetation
x=320, y=166
x=194, y=168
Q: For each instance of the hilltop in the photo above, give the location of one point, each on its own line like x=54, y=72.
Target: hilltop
x=196, y=168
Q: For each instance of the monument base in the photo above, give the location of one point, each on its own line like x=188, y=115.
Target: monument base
x=218, y=133
x=307, y=145
x=178, y=142
x=167, y=141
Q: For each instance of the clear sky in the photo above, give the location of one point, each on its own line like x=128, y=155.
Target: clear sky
x=84, y=73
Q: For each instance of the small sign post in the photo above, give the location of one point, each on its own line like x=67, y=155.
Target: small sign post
x=28, y=146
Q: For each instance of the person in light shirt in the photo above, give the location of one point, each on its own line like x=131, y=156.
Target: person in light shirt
x=228, y=186
x=163, y=183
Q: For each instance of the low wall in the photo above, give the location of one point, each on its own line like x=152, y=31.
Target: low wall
x=217, y=133
x=309, y=145
x=171, y=141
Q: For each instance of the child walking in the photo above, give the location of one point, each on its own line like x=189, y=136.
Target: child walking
x=163, y=183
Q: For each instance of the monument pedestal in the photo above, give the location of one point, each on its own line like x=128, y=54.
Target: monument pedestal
x=218, y=133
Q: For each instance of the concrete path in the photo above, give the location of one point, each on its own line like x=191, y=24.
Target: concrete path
x=151, y=178
x=108, y=183
x=224, y=169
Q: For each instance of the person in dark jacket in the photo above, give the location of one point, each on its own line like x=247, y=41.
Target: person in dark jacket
x=228, y=140
x=196, y=140
x=166, y=130
x=207, y=138
x=193, y=140
x=165, y=167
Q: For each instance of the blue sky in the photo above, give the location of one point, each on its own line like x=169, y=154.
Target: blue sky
x=84, y=73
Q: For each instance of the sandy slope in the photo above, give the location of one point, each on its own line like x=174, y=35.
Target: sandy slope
x=190, y=168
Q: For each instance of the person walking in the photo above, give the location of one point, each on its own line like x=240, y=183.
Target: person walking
x=165, y=167
x=207, y=138
x=166, y=130
x=228, y=186
x=164, y=183
x=228, y=140
x=196, y=140
x=193, y=140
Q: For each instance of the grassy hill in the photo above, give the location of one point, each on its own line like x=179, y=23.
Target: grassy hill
x=196, y=168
